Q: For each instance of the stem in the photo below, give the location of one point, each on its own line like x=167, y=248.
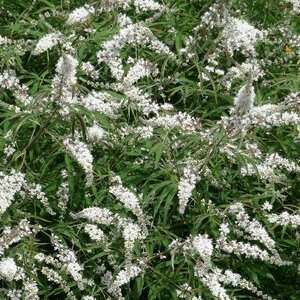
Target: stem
x=40, y=132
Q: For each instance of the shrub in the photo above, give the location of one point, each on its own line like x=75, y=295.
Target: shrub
x=149, y=150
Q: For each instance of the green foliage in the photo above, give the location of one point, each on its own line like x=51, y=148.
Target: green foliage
x=151, y=167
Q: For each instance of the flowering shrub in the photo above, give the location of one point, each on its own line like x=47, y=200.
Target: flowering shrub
x=149, y=149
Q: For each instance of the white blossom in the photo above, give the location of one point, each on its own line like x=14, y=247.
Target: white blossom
x=267, y=206
x=186, y=185
x=244, y=99
x=131, y=34
x=101, y=102
x=285, y=219
x=63, y=83
x=124, y=195
x=10, y=186
x=90, y=70
x=81, y=14
x=95, y=234
x=53, y=276
x=9, y=81
x=239, y=35
x=203, y=245
x=124, y=276
x=95, y=133
x=148, y=5
x=81, y=153
x=30, y=290
x=8, y=269
x=131, y=233
x=183, y=121
x=14, y=235
x=96, y=215
x=68, y=260
x=141, y=68
x=47, y=42
x=295, y=4
x=63, y=197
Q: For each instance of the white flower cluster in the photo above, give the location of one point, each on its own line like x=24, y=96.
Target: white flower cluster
x=81, y=14
x=69, y=261
x=244, y=100
x=181, y=120
x=214, y=17
x=5, y=40
x=266, y=169
x=185, y=292
x=81, y=153
x=47, y=42
x=253, y=149
x=186, y=185
x=148, y=5
x=95, y=133
x=90, y=70
x=239, y=35
x=131, y=34
x=14, y=235
x=19, y=47
x=30, y=290
x=247, y=249
x=124, y=276
x=9, y=150
x=250, y=68
x=140, y=69
x=15, y=183
x=66, y=67
x=10, y=186
x=272, y=116
x=10, y=82
x=125, y=196
x=53, y=276
x=88, y=298
x=8, y=269
x=252, y=227
x=264, y=116
x=143, y=100
x=214, y=277
x=267, y=206
x=284, y=219
x=95, y=234
x=295, y=4
x=96, y=215
x=35, y=190
x=109, y=5
x=101, y=102
x=211, y=281
x=63, y=197
x=131, y=232
x=276, y=160
x=292, y=100
x=202, y=244
x=265, y=172
x=144, y=132
x=254, y=232
x=211, y=69
x=63, y=83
